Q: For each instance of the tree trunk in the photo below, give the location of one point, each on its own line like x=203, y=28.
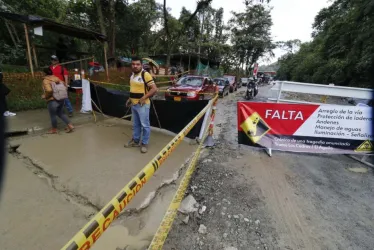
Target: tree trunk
x=168, y=46
x=112, y=28
x=168, y=59
x=199, y=51
x=102, y=25
x=100, y=16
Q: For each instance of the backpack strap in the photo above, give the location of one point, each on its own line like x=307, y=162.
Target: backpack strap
x=146, y=88
x=145, y=84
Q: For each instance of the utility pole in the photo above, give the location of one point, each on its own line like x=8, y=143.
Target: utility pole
x=200, y=40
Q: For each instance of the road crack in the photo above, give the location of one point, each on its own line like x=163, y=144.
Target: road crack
x=38, y=169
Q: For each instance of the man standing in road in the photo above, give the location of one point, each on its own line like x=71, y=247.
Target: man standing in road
x=61, y=72
x=142, y=87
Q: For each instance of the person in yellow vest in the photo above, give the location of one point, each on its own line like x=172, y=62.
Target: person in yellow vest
x=142, y=87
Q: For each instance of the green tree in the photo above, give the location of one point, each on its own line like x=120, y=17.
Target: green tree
x=251, y=34
x=174, y=29
x=342, y=50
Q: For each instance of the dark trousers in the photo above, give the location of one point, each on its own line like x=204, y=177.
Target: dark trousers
x=55, y=109
x=3, y=105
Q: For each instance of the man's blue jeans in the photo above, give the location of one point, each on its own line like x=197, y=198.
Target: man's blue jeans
x=68, y=105
x=140, y=117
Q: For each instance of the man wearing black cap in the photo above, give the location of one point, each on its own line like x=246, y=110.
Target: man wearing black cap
x=63, y=74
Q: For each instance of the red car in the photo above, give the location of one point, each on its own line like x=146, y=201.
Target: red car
x=191, y=88
x=233, y=84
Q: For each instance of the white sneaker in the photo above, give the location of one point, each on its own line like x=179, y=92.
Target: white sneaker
x=7, y=113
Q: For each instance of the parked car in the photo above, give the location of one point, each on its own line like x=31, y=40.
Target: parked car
x=223, y=86
x=244, y=81
x=232, y=81
x=190, y=88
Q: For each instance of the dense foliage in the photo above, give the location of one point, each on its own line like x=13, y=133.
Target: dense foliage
x=342, y=49
x=144, y=27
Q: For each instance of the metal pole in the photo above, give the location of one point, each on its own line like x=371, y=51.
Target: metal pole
x=205, y=121
x=28, y=50
x=106, y=62
x=280, y=92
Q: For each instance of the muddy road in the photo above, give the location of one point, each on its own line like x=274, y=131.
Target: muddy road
x=287, y=201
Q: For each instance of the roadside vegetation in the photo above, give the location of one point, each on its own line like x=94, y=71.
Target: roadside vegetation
x=342, y=49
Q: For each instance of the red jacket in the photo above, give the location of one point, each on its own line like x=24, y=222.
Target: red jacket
x=59, y=71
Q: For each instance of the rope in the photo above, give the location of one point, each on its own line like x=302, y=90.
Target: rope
x=171, y=75
x=98, y=99
x=158, y=120
x=99, y=109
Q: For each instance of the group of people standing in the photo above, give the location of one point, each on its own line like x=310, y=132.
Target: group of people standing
x=55, y=85
x=142, y=88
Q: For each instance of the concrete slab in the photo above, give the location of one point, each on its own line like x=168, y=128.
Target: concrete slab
x=34, y=216
x=93, y=162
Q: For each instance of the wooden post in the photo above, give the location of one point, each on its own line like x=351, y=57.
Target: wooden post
x=35, y=57
x=28, y=50
x=106, y=62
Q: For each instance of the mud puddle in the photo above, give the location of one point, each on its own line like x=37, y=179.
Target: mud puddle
x=135, y=232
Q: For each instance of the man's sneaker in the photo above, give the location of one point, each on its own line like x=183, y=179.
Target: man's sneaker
x=131, y=144
x=7, y=113
x=71, y=114
x=144, y=148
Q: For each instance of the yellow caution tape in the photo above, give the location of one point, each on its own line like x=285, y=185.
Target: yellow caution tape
x=91, y=232
x=160, y=90
x=162, y=232
x=108, y=83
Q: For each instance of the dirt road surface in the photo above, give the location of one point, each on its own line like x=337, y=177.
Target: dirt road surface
x=287, y=201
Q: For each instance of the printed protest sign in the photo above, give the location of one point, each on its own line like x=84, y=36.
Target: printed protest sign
x=306, y=128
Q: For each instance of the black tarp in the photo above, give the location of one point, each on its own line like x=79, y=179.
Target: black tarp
x=49, y=24
x=173, y=116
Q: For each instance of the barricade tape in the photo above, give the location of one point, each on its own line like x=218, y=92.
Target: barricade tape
x=108, y=83
x=163, y=230
x=91, y=232
x=160, y=90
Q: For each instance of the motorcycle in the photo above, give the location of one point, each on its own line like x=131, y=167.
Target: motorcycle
x=252, y=90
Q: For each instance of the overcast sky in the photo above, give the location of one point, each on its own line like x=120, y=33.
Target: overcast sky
x=292, y=19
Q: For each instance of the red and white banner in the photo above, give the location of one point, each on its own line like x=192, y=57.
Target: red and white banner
x=306, y=128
